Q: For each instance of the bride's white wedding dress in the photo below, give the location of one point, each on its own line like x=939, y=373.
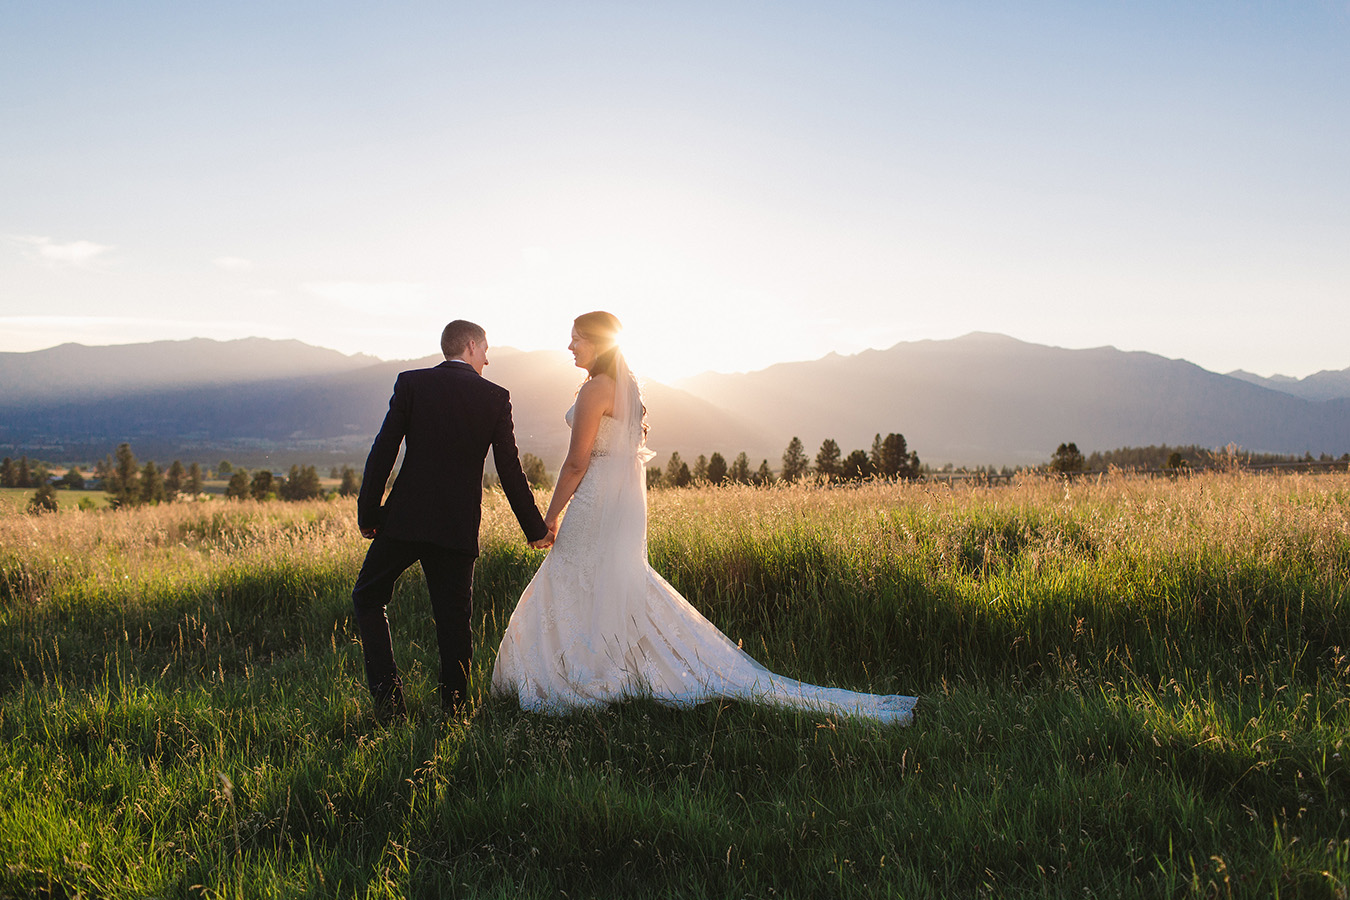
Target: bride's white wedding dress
x=597, y=625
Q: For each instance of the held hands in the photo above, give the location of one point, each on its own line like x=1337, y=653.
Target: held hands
x=547, y=540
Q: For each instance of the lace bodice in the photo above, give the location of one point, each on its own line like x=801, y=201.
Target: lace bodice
x=604, y=438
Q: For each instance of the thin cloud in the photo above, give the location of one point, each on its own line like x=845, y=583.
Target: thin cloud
x=74, y=253
x=234, y=263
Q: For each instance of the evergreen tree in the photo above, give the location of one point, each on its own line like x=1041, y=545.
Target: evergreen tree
x=194, y=484
x=44, y=500
x=717, y=469
x=1066, y=459
x=895, y=459
x=9, y=474
x=24, y=474
x=173, y=481
x=288, y=488
x=894, y=456
x=674, y=468
x=856, y=467
x=685, y=477
x=301, y=483
x=701, y=469
x=795, y=463
x=827, y=460
x=655, y=477
x=237, y=489
x=73, y=479
x=125, y=478
x=262, y=485
x=224, y=467
x=763, y=475
x=740, y=469
x=535, y=471
x=351, y=485
x=308, y=486
x=103, y=473
x=152, y=484
x=875, y=456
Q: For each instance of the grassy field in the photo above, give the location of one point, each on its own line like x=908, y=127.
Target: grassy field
x=16, y=499
x=1131, y=688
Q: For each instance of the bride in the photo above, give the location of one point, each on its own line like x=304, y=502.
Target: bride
x=596, y=624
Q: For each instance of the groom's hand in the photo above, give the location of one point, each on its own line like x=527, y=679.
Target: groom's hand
x=368, y=533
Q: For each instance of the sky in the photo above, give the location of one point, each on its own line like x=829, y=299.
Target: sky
x=742, y=183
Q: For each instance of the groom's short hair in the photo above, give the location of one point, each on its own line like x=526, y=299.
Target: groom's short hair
x=456, y=336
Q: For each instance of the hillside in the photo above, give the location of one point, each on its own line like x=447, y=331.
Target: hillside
x=1324, y=385
x=326, y=417
x=980, y=399
x=987, y=398
x=70, y=371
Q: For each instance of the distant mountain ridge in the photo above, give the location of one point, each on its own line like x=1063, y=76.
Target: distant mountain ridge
x=71, y=369
x=991, y=399
x=1324, y=385
x=317, y=407
x=979, y=399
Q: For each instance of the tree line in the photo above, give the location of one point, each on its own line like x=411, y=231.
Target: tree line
x=301, y=483
x=128, y=482
x=890, y=457
x=1189, y=455
x=20, y=473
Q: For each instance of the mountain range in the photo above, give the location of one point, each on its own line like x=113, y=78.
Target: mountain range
x=979, y=399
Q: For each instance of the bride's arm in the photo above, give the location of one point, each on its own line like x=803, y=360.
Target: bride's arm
x=595, y=399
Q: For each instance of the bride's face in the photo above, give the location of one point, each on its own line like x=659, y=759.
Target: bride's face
x=583, y=351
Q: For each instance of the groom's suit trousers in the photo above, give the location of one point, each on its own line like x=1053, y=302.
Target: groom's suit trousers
x=449, y=575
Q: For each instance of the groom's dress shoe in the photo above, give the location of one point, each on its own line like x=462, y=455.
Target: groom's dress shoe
x=452, y=702
x=389, y=705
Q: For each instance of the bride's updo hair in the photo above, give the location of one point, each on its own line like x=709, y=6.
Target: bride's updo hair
x=601, y=329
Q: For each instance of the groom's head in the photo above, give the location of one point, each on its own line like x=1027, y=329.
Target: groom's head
x=466, y=341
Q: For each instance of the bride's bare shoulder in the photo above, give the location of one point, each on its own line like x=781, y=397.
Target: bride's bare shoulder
x=598, y=390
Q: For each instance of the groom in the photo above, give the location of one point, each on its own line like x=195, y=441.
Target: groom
x=447, y=417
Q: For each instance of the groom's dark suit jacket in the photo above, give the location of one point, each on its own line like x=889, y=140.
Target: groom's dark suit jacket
x=448, y=416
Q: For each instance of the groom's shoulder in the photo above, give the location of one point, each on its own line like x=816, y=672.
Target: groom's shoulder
x=458, y=378
x=443, y=373
x=495, y=390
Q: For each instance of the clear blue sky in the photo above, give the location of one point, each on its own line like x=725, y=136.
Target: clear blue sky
x=740, y=182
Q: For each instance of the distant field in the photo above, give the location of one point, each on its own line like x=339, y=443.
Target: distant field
x=1131, y=687
x=67, y=499
x=17, y=498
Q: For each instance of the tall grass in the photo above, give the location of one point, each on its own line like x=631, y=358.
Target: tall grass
x=1131, y=688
